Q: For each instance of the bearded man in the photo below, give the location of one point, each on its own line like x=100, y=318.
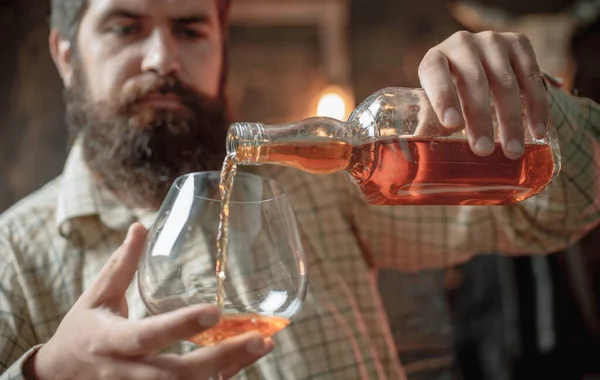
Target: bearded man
x=144, y=88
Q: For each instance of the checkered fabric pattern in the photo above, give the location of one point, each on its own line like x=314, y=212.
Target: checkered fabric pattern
x=54, y=242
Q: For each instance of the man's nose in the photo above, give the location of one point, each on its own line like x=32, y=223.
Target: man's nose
x=162, y=54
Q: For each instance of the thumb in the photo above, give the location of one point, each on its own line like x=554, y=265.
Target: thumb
x=111, y=284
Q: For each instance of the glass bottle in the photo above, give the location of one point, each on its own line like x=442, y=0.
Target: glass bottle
x=397, y=153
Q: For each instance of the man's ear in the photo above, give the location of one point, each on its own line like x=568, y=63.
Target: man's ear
x=61, y=50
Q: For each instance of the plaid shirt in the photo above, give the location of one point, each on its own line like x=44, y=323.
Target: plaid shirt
x=54, y=242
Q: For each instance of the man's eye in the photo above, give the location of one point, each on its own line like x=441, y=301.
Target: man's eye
x=123, y=30
x=189, y=33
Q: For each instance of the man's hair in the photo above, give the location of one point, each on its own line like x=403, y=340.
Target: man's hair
x=66, y=16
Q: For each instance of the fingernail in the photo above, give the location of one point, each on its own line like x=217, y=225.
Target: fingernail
x=540, y=130
x=256, y=346
x=451, y=117
x=514, y=146
x=484, y=145
x=209, y=318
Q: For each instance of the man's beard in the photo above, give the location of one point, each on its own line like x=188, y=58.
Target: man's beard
x=137, y=152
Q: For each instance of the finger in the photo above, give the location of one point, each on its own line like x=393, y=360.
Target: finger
x=120, y=370
x=436, y=80
x=232, y=352
x=505, y=91
x=134, y=338
x=528, y=74
x=473, y=91
x=233, y=370
x=116, y=275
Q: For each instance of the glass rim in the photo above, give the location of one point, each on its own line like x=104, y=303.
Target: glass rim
x=275, y=188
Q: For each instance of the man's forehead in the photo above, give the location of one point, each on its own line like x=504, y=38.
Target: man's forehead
x=157, y=8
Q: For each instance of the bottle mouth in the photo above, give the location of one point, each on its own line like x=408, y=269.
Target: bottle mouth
x=251, y=136
x=233, y=138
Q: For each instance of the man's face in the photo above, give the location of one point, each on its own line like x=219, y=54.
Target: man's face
x=145, y=93
x=121, y=42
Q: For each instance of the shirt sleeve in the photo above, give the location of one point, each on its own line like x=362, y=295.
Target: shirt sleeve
x=15, y=371
x=17, y=342
x=413, y=238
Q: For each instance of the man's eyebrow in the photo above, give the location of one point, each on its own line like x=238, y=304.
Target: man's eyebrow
x=193, y=19
x=124, y=13
x=119, y=13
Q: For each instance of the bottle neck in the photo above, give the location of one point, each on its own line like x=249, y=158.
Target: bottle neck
x=315, y=145
x=253, y=142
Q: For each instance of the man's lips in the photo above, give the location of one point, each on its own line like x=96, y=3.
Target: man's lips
x=160, y=100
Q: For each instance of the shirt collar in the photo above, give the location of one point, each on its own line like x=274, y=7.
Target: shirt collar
x=80, y=197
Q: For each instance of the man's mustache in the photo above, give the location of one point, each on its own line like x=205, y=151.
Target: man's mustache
x=167, y=85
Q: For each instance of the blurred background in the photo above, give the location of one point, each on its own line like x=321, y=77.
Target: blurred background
x=492, y=318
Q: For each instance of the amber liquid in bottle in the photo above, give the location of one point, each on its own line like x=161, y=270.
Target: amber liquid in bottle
x=420, y=171
x=234, y=325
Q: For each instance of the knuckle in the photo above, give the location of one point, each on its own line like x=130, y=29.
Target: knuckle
x=138, y=341
x=535, y=77
x=431, y=61
x=522, y=41
x=462, y=36
x=474, y=75
x=489, y=36
x=94, y=350
x=494, y=40
x=480, y=118
x=94, y=347
x=514, y=120
x=521, y=38
x=507, y=81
